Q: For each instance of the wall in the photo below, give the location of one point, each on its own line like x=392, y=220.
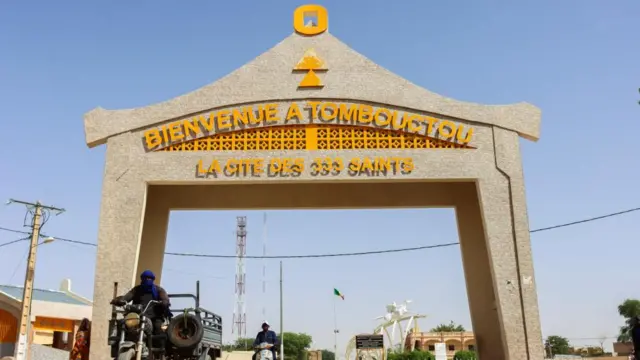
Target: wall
x=8, y=324
x=59, y=310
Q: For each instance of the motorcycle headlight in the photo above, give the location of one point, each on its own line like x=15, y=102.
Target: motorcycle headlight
x=132, y=320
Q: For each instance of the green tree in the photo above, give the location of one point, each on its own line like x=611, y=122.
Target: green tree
x=243, y=344
x=328, y=355
x=295, y=345
x=450, y=327
x=465, y=355
x=559, y=345
x=629, y=310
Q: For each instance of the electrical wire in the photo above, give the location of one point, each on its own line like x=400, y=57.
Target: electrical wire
x=14, y=241
x=360, y=253
x=15, y=231
x=24, y=257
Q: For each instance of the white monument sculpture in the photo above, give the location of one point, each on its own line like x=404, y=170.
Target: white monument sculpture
x=395, y=318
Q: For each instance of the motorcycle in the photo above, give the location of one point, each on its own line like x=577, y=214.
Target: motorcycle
x=135, y=334
x=264, y=351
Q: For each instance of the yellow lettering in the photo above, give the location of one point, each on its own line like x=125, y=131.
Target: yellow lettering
x=214, y=167
x=431, y=122
x=321, y=23
x=354, y=164
x=206, y=123
x=412, y=121
x=253, y=118
x=223, y=120
x=293, y=112
x=199, y=169
x=403, y=122
x=298, y=165
x=152, y=138
x=328, y=115
x=407, y=165
x=258, y=166
x=466, y=138
x=446, y=129
x=271, y=113
x=347, y=115
x=191, y=128
x=365, y=113
x=314, y=108
x=165, y=133
x=274, y=165
x=383, y=164
x=240, y=117
x=175, y=132
x=232, y=167
x=367, y=165
x=382, y=121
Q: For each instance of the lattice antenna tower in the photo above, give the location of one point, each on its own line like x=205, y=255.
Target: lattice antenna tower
x=239, y=313
x=264, y=267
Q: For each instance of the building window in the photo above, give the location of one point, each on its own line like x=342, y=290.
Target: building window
x=432, y=348
x=452, y=347
x=471, y=348
x=418, y=345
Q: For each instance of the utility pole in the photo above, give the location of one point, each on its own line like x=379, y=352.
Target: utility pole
x=25, y=317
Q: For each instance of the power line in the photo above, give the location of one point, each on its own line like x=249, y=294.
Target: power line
x=586, y=220
x=14, y=241
x=361, y=253
x=15, y=231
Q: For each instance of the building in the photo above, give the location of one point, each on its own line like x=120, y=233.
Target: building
x=55, y=316
x=622, y=348
x=455, y=341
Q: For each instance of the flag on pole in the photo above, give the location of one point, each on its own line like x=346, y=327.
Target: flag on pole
x=338, y=293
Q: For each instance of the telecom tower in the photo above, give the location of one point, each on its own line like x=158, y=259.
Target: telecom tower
x=239, y=326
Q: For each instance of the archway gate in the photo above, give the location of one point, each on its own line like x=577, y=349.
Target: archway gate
x=311, y=124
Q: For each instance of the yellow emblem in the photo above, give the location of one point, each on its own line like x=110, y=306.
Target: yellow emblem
x=320, y=25
x=310, y=63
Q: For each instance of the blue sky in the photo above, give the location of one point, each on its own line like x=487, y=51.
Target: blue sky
x=576, y=59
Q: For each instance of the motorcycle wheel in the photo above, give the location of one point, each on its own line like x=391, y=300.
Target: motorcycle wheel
x=127, y=355
x=183, y=335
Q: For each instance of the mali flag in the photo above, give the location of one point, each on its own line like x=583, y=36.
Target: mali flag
x=338, y=293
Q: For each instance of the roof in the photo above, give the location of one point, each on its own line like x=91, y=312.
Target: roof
x=269, y=78
x=41, y=295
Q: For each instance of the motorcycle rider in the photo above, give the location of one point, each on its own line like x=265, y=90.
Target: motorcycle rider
x=268, y=336
x=145, y=292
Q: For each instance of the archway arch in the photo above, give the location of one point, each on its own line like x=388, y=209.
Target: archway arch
x=354, y=143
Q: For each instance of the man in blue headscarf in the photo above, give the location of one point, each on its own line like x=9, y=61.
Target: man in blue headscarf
x=145, y=292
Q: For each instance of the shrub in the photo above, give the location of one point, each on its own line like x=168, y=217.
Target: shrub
x=411, y=355
x=465, y=355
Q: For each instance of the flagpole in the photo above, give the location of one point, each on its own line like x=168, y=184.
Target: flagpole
x=335, y=329
x=281, y=318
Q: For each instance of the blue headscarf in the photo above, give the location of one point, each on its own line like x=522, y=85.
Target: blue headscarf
x=147, y=277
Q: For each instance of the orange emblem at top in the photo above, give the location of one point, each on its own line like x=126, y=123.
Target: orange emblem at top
x=310, y=20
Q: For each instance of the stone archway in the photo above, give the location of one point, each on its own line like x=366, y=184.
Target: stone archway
x=311, y=124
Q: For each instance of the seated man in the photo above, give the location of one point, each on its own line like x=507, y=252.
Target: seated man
x=143, y=294
x=267, y=336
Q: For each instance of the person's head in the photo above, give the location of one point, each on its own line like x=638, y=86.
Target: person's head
x=265, y=326
x=85, y=325
x=147, y=278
